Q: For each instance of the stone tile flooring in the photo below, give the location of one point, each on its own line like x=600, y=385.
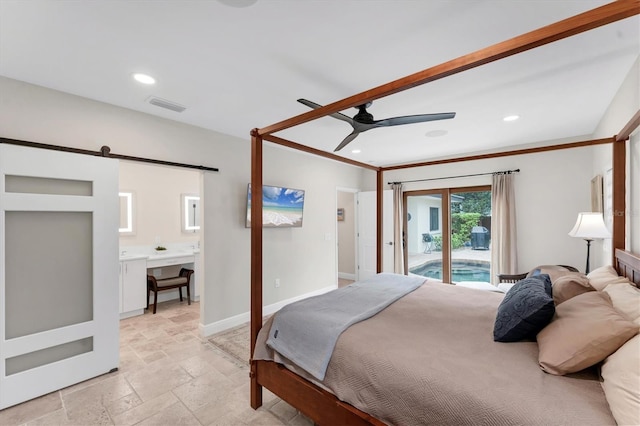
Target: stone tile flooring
x=168, y=375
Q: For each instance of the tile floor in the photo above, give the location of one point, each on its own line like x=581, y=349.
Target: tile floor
x=168, y=375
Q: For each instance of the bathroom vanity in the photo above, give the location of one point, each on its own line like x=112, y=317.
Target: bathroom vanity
x=134, y=267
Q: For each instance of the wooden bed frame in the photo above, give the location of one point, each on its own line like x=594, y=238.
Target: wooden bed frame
x=325, y=409
x=319, y=405
x=628, y=265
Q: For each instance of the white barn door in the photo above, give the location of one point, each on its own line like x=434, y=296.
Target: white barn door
x=58, y=270
x=367, y=233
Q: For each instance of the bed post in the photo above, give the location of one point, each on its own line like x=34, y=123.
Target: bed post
x=379, y=219
x=256, y=259
x=618, y=197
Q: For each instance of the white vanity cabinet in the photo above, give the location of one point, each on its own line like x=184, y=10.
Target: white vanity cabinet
x=133, y=287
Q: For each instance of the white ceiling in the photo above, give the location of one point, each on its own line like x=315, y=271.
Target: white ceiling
x=236, y=68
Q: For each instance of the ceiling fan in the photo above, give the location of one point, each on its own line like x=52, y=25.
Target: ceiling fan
x=363, y=121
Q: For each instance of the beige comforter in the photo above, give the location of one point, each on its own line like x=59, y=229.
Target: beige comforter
x=430, y=358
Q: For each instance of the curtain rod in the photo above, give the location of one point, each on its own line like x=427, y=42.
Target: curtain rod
x=105, y=151
x=504, y=172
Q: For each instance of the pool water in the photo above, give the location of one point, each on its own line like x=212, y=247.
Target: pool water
x=461, y=270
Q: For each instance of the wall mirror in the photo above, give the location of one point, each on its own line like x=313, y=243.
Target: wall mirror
x=126, y=213
x=190, y=213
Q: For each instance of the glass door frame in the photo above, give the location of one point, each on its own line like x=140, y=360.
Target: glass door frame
x=445, y=194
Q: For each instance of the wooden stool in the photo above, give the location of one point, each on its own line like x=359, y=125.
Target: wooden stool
x=156, y=285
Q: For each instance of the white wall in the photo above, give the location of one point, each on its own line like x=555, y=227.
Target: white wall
x=157, y=198
x=301, y=258
x=347, y=235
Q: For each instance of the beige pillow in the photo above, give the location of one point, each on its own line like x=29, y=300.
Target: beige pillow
x=626, y=300
x=621, y=382
x=603, y=276
x=554, y=271
x=585, y=330
x=569, y=285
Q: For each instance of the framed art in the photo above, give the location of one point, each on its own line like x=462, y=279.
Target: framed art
x=340, y=214
x=597, y=194
x=608, y=199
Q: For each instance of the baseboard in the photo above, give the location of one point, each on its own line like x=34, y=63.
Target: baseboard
x=132, y=313
x=236, y=320
x=346, y=276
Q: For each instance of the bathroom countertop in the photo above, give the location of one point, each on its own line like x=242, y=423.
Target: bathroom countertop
x=133, y=256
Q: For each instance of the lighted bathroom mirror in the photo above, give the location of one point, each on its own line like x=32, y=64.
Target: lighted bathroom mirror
x=126, y=213
x=190, y=213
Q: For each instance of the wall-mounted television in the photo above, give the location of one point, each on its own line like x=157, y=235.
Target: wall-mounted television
x=281, y=207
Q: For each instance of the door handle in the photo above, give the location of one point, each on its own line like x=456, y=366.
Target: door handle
x=390, y=243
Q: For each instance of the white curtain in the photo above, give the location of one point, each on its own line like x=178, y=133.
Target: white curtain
x=398, y=223
x=503, y=226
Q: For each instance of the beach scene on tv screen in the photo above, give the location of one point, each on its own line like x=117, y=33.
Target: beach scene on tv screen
x=281, y=207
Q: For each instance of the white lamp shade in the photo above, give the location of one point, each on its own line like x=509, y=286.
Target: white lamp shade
x=590, y=225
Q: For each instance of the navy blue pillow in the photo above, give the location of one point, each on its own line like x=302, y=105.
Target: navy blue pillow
x=525, y=310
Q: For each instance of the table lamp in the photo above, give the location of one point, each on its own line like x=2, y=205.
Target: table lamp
x=589, y=226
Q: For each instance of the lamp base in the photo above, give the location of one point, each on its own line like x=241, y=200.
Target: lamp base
x=586, y=269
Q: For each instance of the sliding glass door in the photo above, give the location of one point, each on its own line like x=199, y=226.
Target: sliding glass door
x=448, y=233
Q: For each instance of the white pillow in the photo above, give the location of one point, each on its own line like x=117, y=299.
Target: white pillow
x=626, y=300
x=621, y=382
x=603, y=276
x=505, y=287
x=479, y=285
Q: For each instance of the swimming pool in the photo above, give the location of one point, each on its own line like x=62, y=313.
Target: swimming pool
x=461, y=270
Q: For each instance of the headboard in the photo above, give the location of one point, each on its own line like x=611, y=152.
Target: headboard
x=628, y=265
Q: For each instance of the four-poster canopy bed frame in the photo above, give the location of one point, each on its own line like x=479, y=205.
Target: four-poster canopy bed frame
x=321, y=406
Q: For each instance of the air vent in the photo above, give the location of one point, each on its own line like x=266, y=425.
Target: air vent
x=163, y=103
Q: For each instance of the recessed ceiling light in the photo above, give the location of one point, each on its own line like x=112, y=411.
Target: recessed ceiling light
x=511, y=117
x=436, y=133
x=356, y=151
x=144, y=78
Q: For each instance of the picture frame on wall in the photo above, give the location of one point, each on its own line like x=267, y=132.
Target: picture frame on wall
x=340, y=214
x=597, y=194
x=608, y=199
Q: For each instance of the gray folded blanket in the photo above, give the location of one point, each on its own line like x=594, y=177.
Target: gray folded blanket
x=306, y=331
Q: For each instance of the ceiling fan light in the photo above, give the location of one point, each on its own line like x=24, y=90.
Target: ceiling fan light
x=511, y=118
x=356, y=151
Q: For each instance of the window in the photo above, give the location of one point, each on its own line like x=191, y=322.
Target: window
x=434, y=218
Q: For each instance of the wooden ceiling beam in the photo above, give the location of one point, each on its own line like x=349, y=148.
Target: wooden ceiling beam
x=502, y=154
x=583, y=22
x=629, y=128
x=318, y=152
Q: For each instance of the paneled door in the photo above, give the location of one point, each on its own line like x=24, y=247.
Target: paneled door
x=367, y=233
x=58, y=270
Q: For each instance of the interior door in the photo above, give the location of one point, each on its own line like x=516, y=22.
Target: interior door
x=59, y=270
x=367, y=233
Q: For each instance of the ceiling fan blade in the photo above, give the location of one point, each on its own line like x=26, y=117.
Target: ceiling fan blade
x=346, y=140
x=410, y=119
x=337, y=115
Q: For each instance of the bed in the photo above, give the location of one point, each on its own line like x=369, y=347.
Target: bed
x=429, y=358
x=323, y=402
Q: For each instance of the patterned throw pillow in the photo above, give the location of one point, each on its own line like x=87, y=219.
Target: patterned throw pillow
x=525, y=310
